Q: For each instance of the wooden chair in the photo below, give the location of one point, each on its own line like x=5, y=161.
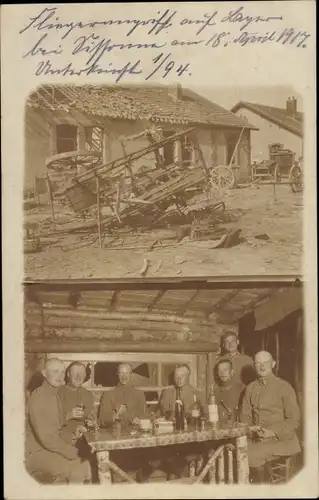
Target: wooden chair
x=218, y=457
x=282, y=469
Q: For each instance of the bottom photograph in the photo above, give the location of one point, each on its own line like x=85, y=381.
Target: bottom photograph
x=191, y=382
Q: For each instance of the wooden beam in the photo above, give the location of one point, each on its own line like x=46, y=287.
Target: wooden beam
x=86, y=346
x=223, y=301
x=114, y=300
x=87, y=313
x=98, y=209
x=220, y=283
x=156, y=299
x=210, y=371
x=183, y=309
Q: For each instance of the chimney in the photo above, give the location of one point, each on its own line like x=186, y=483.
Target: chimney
x=175, y=91
x=291, y=107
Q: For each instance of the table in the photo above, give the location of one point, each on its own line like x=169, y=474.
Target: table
x=105, y=442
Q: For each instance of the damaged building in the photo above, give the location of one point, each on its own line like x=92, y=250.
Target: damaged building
x=61, y=119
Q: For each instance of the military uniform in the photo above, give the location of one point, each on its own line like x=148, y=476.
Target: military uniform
x=46, y=449
x=231, y=395
x=134, y=400
x=242, y=366
x=70, y=398
x=271, y=404
x=168, y=398
x=127, y=395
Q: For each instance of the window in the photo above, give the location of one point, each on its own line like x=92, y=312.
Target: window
x=66, y=138
x=144, y=374
x=151, y=372
x=93, y=139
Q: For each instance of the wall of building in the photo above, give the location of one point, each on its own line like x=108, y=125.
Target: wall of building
x=37, y=146
x=269, y=132
x=40, y=144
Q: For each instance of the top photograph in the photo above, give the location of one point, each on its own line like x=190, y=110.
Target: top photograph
x=141, y=181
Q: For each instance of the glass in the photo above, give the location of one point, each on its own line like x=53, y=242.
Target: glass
x=117, y=428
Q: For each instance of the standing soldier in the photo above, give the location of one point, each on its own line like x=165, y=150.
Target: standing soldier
x=241, y=363
x=228, y=392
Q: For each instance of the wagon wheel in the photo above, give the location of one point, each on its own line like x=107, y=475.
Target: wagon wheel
x=296, y=178
x=277, y=174
x=223, y=177
x=73, y=159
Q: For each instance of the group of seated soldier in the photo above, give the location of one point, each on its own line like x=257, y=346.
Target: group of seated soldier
x=58, y=408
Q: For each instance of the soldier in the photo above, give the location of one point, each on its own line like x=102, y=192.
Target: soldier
x=46, y=450
x=77, y=402
x=228, y=392
x=178, y=463
x=187, y=392
x=242, y=364
x=124, y=402
x=127, y=405
x=270, y=408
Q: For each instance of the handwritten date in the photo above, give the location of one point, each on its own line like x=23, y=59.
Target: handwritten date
x=166, y=64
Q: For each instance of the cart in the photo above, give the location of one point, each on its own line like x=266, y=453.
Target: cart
x=281, y=167
x=130, y=194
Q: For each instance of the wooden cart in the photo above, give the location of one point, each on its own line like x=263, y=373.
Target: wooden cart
x=281, y=167
x=129, y=194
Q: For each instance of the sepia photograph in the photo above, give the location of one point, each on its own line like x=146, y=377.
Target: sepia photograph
x=163, y=382
x=159, y=194
x=162, y=181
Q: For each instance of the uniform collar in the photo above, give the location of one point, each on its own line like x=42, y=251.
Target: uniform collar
x=265, y=381
x=125, y=387
x=184, y=388
x=49, y=388
x=228, y=356
x=71, y=388
x=227, y=385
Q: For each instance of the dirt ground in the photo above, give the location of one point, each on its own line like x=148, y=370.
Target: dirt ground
x=256, y=210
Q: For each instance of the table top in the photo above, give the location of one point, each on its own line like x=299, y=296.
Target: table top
x=106, y=441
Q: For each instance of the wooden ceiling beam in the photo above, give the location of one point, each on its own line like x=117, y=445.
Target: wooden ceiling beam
x=226, y=298
x=183, y=309
x=156, y=299
x=86, y=346
x=114, y=300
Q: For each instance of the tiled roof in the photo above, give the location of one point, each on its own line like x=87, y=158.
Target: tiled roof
x=157, y=104
x=276, y=115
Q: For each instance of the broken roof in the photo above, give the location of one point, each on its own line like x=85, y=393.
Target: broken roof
x=275, y=115
x=158, y=104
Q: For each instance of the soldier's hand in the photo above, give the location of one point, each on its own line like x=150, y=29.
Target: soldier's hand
x=77, y=412
x=266, y=433
x=121, y=410
x=80, y=430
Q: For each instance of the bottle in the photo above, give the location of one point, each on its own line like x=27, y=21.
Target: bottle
x=196, y=414
x=212, y=407
x=179, y=412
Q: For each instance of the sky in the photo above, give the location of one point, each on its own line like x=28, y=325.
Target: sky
x=228, y=97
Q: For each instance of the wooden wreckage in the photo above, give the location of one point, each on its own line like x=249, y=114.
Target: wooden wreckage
x=144, y=197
